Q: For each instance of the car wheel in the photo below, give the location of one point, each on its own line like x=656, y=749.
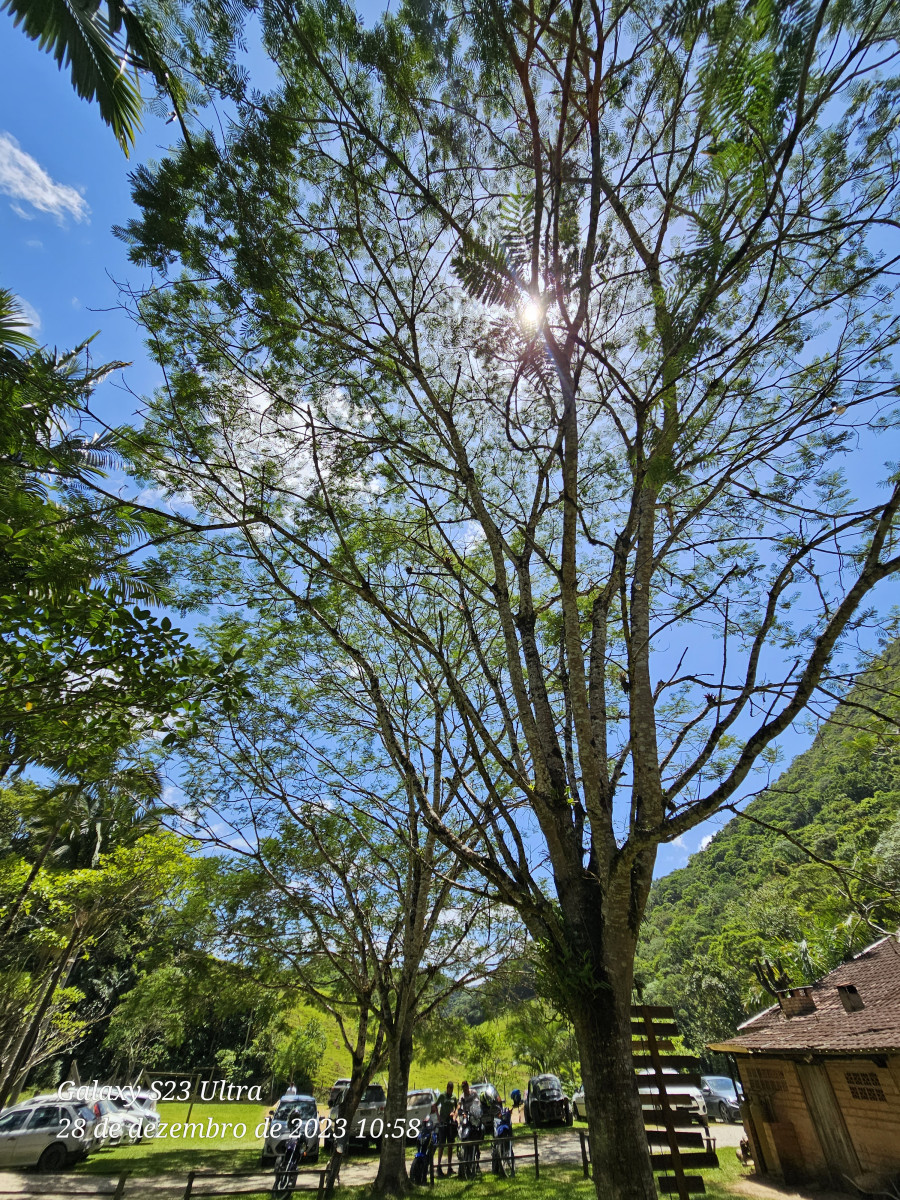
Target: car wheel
x=53, y=1159
x=723, y=1111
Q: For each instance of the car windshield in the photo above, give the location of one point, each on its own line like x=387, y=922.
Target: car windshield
x=721, y=1083
x=14, y=1120
x=374, y=1094
x=304, y=1109
x=416, y=1098
x=548, y=1083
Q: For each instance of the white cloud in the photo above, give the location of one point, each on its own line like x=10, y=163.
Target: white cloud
x=705, y=840
x=31, y=315
x=26, y=181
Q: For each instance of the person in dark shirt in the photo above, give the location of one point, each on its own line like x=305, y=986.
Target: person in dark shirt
x=446, y=1103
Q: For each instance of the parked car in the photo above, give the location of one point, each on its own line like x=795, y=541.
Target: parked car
x=295, y=1115
x=111, y=1128
x=138, y=1113
x=579, y=1112
x=490, y=1104
x=47, y=1133
x=339, y=1086
x=368, y=1124
x=546, y=1102
x=696, y=1105
x=723, y=1097
x=421, y=1106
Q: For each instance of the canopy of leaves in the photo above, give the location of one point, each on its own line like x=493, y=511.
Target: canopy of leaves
x=83, y=670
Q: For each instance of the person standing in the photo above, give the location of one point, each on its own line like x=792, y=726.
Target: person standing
x=446, y=1102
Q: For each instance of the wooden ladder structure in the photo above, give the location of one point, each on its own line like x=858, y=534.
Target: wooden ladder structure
x=674, y=1142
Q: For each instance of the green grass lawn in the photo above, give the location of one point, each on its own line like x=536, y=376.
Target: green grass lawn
x=178, y=1154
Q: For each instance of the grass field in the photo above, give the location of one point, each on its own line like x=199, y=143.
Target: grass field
x=179, y=1154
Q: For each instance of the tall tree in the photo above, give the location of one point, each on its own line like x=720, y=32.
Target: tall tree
x=370, y=914
x=541, y=331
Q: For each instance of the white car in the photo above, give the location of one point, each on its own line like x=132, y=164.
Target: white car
x=579, y=1112
x=133, y=1117
x=296, y=1116
x=696, y=1105
x=420, y=1106
x=46, y=1132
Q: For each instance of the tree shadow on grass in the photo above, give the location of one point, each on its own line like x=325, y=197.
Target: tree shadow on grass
x=170, y=1160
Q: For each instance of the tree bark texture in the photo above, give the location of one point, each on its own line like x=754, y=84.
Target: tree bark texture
x=392, y=1177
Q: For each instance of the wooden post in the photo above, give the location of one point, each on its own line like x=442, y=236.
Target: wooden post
x=537, y=1165
x=120, y=1186
x=190, y=1186
x=584, y=1157
x=321, y=1192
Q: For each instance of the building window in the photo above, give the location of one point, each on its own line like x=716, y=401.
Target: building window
x=764, y=1081
x=865, y=1085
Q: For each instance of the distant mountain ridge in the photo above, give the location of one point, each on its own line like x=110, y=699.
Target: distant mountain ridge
x=753, y=895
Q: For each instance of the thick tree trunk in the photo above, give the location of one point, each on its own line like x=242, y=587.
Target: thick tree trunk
x=392, y=1178
x=597, y=978
x=619, y=1153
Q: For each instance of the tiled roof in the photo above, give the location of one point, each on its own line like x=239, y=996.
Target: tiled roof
x=829, y=1028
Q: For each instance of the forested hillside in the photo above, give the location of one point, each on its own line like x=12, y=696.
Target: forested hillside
x=754, y=906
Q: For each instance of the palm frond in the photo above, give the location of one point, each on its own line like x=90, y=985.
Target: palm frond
x=13, y=323
x=78, y=35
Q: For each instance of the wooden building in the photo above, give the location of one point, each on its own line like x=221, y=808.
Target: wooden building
x=821, y=1075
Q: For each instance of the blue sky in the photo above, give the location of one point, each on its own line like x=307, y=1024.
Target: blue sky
x=63, y=185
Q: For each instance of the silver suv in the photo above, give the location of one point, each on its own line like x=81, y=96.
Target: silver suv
x=46, y=1132
x=368, y=1124
x=692, y=1100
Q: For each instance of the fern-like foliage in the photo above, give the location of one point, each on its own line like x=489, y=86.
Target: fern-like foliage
x=496, y=268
